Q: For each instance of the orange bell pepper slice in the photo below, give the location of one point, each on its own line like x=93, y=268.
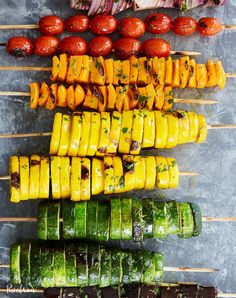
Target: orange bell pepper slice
x=79, y=95
x=111, y=97
x=63, y=68
x=52, y=99
x=56, y=65
x=44, y=94
x=70, y=96
x=61, y=96
x=102, y=102
x=34, y=95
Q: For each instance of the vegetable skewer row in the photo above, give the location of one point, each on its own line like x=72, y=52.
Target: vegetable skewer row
x=102, y=98
x=79, y=178
x=67, y=264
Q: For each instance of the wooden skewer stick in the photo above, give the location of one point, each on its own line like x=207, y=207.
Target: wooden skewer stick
x=23, y=26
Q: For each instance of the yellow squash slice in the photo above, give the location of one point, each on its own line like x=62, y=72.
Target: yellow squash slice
x=173, y=172
x=104, y=134
x=97, y=176
x=184, y=71
x=149, y=129
x=65, y=135
x=192, y=74
x=109, y=176
x=139, y=172
x=128, y=166
x=65, y=177
x=94, y=134
x=85, y=134
x=115, y=133
x=150, y=167
x=119, y=182
x=109, y=70
x=158, y=71
x=125, y=134
x=75, y=178
x=163, y=176
x=173, y=131
x=76, y=125
x=85, y=179
x=134, y=69
x=137, y=132
x=193, y=122
x=161, y=124
x=55, y=177
x=44, y=181
x=24, y=177
x=169, y=71
x=184, y=126
x=14, y=170
x=160, y=98
x=34, y=177
x=176, y=74
x=202, y=129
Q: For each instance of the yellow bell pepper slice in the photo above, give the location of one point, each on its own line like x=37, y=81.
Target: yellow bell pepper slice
x=56, y=64
x=109, y=70
x=125, y=72
x=65, y=135
x=143, y=77
x=184, y=71
x=85, y=71
x=139, y=172
x=63, y=68
x=44, y=180
x=211, y=71
x=85, y=134
x=201, y=76
x=161, y=124
x=14, y=170
x=97, y=176
x=34, y=95
x=202, y=129
x=76, y=126
x=24, y=177
x=34, y=177
x=193, y=122
x=149, y=129
x=94, y=134
x=163, y=176
x=119, y=182
x=192, y=74
x=134, y=69
x=85, y=179
x=173, y=172
x=111, y=97
x=75, y=178
x=128, y=167
x=184, y=126
x=117, y=71
x=168, y=98
x=176, y=74
x=99, y=75
x=151, y=96
x=169, y=71
x=55, y=177
x=104, y=134
x=109, y=176
x=150, y=167
x=220, y=75
x=173, y=130
x=65, y=177
x=160, y=98
x=114, y=138
x=125, y=134
x=137, y=132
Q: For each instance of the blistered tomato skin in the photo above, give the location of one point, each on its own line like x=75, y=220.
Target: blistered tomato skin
x=131, y=27
x=78, y=23
x=46, y=45
x=103, y=24
x=100, y=46
x=155, y=47
x=73, y=45
x=184, y=26
x=51, y=25
x=126, y=47
x=19, y=46
x=158, y=23
x=209, y=26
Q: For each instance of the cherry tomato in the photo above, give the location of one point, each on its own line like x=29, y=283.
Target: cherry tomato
x=155, y=47
x=131, y=27
x=79, y=23
x=45, y=45
x=73, y=45
x=19, y=46
x=209, y=26
x=51, y=25
x=126, y=47
x=184, y=26
x=100, y=46
x=158, y=23
x=103, y=24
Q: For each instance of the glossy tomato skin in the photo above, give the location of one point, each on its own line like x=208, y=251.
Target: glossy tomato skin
x=73, y=45
x=78, y=23
x=103, y=24
x=155, y=47
x=51, y=25
x=209, y=26
x=184, y=26
x=100, y=46
x=126, y=47
x=46, y=45
x=158, y=23
x=19, y=46
x=131, y=27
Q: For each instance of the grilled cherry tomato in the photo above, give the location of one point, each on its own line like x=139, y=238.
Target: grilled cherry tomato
x=158, y=23
x=209, y=26
x=19, y=46
x=45, y=45
x=131, y=27
x=100, y=46
x=79, y=23
x=184, y=26
x=51, y=25
x=126, y=47
x=103, y=24
x=73, y=45
x=155, y=47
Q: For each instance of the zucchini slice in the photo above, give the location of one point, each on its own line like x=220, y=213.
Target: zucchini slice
x=15, y=268
x=35, y=262
x=126, y=219
x=44, y=180
x=109, y=180
x=126, y=266
x=197, y=218
x=81, y=220
x=14, y=170
x=56, y=134
x=92, y=213
x=105, y=277
x=94, y=134
x=97, y=176
x=85, y=134
x=149, y=129
x=82, y=265
x=24, y=177
x=94, y=264
x=65, y=135
x=53, y=221
x=85, y=186
x=75, y=178
x=172, y=215
x=136, y=268
x=148, y=218
x=76, y=126
x=125, y=135
x=159, y=267
x=114, y=133
x=70, y=266
x=103, y=220
x=65, y=177
x=186, y=220
x=115, y=225
x=68, y=215
x=116, y=267
x=25, y=263
x=43, y=221
x=59, y=267
x=137, y=132
x=34, y=177
x=148, y=267
x=55, y=177
x=137, y=219
x=160, y=225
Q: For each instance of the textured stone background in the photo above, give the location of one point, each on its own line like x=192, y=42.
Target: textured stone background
x=214, y=190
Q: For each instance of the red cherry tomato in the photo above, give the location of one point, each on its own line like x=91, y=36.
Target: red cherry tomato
x=79, y=23
x=19, y=46
x=51, y=25
x=100, y=46
x=103, y=24
x=73, y=45
x=45, y=45
x=126, y=47
x=184, y=26
x=209, y=26
x=158, y=23
x=132, y=27
x=155, y=47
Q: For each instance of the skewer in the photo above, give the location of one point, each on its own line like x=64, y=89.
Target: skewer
x=176, y=100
